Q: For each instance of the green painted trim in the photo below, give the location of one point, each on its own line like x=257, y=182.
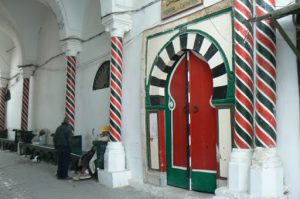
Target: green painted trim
x=204, y=182
x=177, y=178
x=229, y=101
x=147, y=140
x=155, y=108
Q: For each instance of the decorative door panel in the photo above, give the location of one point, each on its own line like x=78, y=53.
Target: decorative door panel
x=192, y=126
x=203, y=127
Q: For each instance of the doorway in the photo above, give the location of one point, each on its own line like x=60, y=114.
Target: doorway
x=191, y=126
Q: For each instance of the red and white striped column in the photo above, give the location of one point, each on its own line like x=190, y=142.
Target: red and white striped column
x=3, y=90
x=71, y=47
x=27, y=73
x=115, y=108
x=114, y=157
x=70, y=89
x=25, y=104
x=240, y=159
x=265, y=119
x=243, y=131
x=266, y=172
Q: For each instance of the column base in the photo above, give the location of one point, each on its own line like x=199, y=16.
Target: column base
x=225, y=193
x=114, y=179
x=239, y=169
x=114, y=174
x=114, y=157
x=266, y=174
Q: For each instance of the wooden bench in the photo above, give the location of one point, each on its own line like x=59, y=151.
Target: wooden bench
x=6, y=144
x=47, y=153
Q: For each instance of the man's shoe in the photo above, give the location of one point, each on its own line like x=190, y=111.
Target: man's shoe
x=68, y=178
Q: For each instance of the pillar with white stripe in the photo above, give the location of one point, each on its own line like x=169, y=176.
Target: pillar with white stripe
x=3, y=90
x=266, y=170
x=240, y=160
x=71, y=47
x=115, y=173
x=27, y=73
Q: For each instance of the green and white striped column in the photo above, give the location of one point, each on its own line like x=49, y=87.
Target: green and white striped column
x=266, y=171
x=265, y=101
x=71, y=48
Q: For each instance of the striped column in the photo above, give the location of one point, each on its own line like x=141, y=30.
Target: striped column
x=265, y=102
x=25, y=103
x=115, y=111
x=70, y=89
x=2, y=108
x=244, y=108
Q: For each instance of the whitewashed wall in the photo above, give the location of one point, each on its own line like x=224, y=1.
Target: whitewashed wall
x=92, y=107
x=15, y=103
x=48, y=80
x=288, y=107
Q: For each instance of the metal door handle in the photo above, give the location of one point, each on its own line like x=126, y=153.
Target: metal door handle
x=195, y=109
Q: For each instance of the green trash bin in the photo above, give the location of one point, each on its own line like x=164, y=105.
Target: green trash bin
x=100, y=150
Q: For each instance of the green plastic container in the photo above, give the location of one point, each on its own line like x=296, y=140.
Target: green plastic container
x=100, y=150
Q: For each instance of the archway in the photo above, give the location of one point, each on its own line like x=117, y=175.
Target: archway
x=206, y=52
x=201, y=44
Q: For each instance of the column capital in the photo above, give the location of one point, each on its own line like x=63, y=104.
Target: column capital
x=117, y=25
x=28, y=71
x=3, y=82
x=71, y=47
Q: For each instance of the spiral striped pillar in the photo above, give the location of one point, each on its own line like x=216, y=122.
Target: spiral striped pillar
x=70, y=89
x=25, y=103
x=244, y=108
x=115, y=111
x=2, y=108
x=265, y=101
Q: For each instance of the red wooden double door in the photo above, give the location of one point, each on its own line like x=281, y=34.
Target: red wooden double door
x=191, y=126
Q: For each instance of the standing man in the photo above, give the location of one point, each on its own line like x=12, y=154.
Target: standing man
x=62, y=142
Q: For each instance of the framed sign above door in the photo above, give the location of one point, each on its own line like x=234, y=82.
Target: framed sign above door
x=172, y=7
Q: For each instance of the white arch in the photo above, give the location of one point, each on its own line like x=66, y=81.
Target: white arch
x=8, y=28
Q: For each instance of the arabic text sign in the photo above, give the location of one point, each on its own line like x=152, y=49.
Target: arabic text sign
x=172, y=7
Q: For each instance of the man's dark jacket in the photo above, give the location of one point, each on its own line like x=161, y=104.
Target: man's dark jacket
x=62, y=135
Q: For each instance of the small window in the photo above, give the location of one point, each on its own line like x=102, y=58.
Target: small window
x=102, y=76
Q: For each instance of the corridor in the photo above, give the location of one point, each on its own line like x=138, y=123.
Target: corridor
x=22, y=179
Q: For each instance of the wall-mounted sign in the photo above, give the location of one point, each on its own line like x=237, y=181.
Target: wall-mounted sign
x=172, y=7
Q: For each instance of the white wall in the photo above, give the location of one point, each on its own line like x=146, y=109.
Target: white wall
x=5, y=57
x=28, y=16
x=92, y=107
x=48, y=101
x=133, y=88
x=15, y=103
x=288, y=107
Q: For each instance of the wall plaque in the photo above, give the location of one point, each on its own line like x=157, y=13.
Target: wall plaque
x=172, y=7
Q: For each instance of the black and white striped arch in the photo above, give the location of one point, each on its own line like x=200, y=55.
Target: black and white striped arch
x=165, y=60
